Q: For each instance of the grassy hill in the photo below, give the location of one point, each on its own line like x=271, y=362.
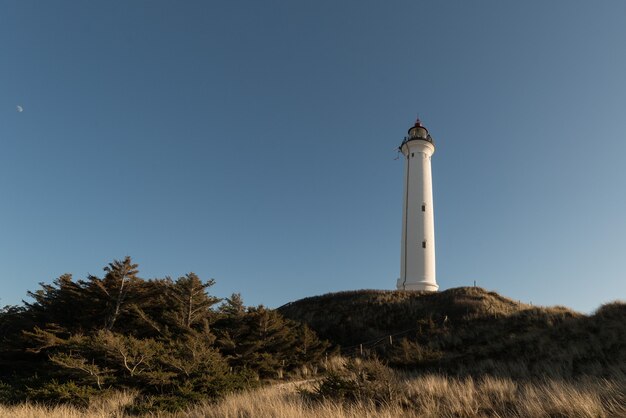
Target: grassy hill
x=468, y=331
x=451, y=353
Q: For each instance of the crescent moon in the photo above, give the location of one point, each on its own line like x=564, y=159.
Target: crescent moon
x=19, y=108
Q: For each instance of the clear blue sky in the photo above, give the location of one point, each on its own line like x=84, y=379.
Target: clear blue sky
x=253, y=142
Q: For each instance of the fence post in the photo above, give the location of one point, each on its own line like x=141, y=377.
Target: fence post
x=390, y=340
x=361, y=349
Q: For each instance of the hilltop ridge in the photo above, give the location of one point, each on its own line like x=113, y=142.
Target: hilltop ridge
x=467, y=330
x=365, y=314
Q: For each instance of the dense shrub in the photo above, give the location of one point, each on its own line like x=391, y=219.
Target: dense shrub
x=168, y=340
x=54, y=393
x=358, y=381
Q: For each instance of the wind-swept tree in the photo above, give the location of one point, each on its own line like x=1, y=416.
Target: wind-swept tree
x=118, y=283
x=64, y=303
x=192, y=302
x=233, y=306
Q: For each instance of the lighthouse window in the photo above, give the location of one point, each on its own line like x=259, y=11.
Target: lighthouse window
x=424, y=208
x=412, y=154
x=423, y=244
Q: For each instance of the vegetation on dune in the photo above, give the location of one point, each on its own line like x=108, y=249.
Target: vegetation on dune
x=121, y=344
x=168, y=340
x=372, y=387
x=468, y=331
x=357, y=389
x=368, y=314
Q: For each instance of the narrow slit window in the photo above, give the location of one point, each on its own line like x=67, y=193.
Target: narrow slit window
x=412, y=154
x=424, y=244
x=424, y=207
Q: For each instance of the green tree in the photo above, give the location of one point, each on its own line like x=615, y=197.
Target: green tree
x=161, y=337
x=192, y=303
x=63, y=302
x=309, y=348
x=118, y=283
x=233, y=306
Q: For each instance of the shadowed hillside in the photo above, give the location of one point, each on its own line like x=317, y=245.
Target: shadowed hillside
x=468, y=331
x=352, y=317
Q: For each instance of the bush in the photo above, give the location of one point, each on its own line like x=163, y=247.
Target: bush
x=409, y=354
x=359, y=381
x=8, y=394
x=55, y=393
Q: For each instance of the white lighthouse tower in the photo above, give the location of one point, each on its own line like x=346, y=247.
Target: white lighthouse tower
x=417, y=267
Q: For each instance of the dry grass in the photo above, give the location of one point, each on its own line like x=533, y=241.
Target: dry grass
x=424, y=396
x=110, y=407
x=286, y=402
x=433, y=396
x=438, y=396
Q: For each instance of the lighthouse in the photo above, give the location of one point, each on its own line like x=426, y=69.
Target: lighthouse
x=417, y=259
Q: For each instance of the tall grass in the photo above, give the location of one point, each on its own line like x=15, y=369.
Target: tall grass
x=440, y=396
x=422, y=396
x=110, y=407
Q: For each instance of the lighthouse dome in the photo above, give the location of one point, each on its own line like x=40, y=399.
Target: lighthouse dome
x=419, y=131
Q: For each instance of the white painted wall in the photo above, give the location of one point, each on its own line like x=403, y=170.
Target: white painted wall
x=417, y=264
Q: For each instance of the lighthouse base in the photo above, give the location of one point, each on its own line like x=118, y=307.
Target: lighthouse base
x=410, y=285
